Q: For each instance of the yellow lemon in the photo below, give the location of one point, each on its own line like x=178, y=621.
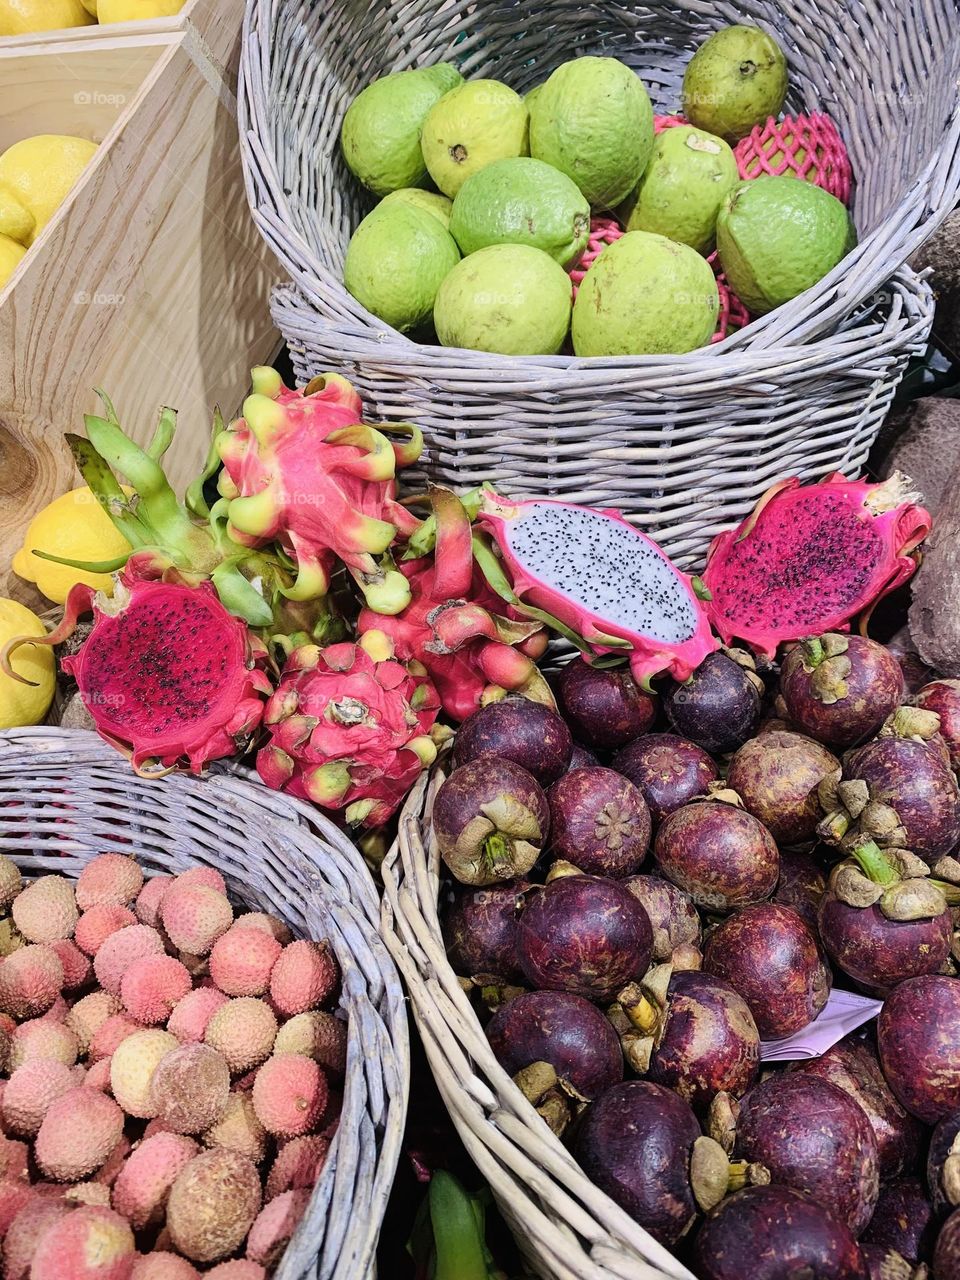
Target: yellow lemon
x=16, y=220
x=17, y=17
x=11, y=251
x=76, y=527
x=40, y=172
x=90, y=6
x=22, y=704
x=137, y=10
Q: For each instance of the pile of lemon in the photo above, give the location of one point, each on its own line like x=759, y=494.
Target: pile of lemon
x=18, y=17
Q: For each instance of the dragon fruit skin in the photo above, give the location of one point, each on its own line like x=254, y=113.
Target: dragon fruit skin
x=349, y=729
x=810, y=558
x=643, y=575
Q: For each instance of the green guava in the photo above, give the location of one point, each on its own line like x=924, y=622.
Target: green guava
x=531, y=96
x=444, y=75
x=396, y=261
x=592, y=120
x=522, y=201
x=432, y=201
x=735, y=80
x=689, y=176
x=645, y=295
x=508, y=298
x=777, y=237
x=380, y=136
x=471, y=126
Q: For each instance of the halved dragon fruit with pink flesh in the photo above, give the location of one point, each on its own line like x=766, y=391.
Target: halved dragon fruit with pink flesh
x=604, y=580
x=810, y=558
x=170, y=678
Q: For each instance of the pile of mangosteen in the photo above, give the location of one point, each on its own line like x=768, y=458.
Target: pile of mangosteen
x=644, y=887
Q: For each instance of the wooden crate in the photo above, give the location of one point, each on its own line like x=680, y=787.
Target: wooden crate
x=151, y=281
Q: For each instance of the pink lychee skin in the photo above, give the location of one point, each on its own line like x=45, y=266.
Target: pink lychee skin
x=13, y=1161
x=97, y=924
x=109, y=878
x=242, y=960
x=78, y=1133
x=152, y=987
x=89, y=1014
x=119, y=951
x=203, y=875
x=26, y=1230
x=42, y=1038
x=14, y=1196
x=163, y=1266
x=57, y=1012
x=31, y=979
x=110, y=1034
x=304, y=976
x=274, y=1225
x=298, y=1164
x=76, y=966
x=194, y=917
x=289, y=1095
x=189, y=1018
x=143, y=1184
x=30, y=1091
x=98, y=1076
x=150, y=898
x=238, y=1269
x=75, y=1248
x=108, y=1173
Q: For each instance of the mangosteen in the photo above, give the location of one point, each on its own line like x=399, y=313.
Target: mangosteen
x=491, y=821
x=918, y=1039
x=801, y=885
x=581, y=758
x=943, y=698
x=599, y=821
x=566, y=1032
x=840, y=689
x=775, y=1233
x=673, y=917
x=946, y=1255
x=852, y=1066
x=584, y=934
x=719, y=854
x=480, y=930
x=943, y=1165
x=903, y=1220
x=718, y=708
x=635, y=1143
x=812, y=1136
x=605, y=708
x=528, y=733
x=767, y=954
x=707, y=1041
x=669, y=770
x=777, y=776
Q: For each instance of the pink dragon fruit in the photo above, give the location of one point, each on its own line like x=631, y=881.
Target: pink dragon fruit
x=604, y=581
x=302, y=469
x=349, y=728
x=168, y=675
x=810, y=558
x=454, y=625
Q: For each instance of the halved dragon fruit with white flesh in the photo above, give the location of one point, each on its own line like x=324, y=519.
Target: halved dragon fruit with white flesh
x=604, y=580
x=810, y=558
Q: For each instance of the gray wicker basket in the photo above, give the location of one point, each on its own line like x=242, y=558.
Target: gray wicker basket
x=65, y=796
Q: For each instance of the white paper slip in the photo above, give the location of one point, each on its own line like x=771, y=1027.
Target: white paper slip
x=843, y=1013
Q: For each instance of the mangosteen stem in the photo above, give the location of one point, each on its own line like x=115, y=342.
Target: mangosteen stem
x=496, y=848
x=813, y=653
x=536, y=1080
x=875, y=864
x=950, y=891
x=643, y=1013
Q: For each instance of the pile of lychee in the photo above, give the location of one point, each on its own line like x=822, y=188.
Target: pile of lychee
x=169, y=1090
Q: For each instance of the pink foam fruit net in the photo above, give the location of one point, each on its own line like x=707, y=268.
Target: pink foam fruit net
x=808, y=147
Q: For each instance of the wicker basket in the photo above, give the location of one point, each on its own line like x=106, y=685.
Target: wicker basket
x=566, y=1227
x=65, y=796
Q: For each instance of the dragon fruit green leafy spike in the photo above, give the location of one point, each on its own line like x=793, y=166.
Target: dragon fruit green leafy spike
x=601, y=580
x=300, y=468
x=349, y=728
x=810, y=558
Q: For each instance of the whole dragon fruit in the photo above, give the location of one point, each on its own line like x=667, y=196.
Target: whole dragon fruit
x=599, y=579
x=349, y=728
x=454, y=624
x=170, y=678
x=300, y=468
x=810, y=558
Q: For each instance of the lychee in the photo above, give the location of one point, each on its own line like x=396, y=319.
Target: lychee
x=57, y=1012
x=238, y=1129
x=46, y=909
x=241, y=961
x=110, y=878
x=213, y=1204
x=87, y=1193
x=194, y=916
x=89, y=1014
x=11, y=881
x=143, y=1184
x=30, y=1091
x=243, y=1030
x=30, y=981
x=261, y=920
x=152, y=986
x=40, y=1038
x=132, y=1066
x=163, y=1266
x=316, y=1035
x=289, y=1095
x=97, y=924
x=77, y=969
x=98, y=1076
x=208, y=876
x=305, y=975
x=89, y=1243
x=275, y=1224
x=297, y=1166
x=147, y=905
x=13, y=1161
x=111, y=1033
x=238, y=1269
x=78, y=1132
x=118, y=952
x=190, y=1088
x=14, y=1196
x=25, y=1233
x=109, y=1171
x=189, y=1018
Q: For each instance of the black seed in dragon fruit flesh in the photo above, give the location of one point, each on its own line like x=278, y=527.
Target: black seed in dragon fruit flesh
x=635, y=1143
x=491, y=820
x=943, y=1165
x=668, y=769
x=568, y=1032
x=903, y=1221
x=943, y=697
x=777, y=775
x=946, y=1255
x=768, y=954
x=717, y=853
x=918, y=1038
x=528, y=733
x=599, y=822
x=718, y=708
x=673, y=917
x=775, y=1233
x=604, y=708
x=480, y=931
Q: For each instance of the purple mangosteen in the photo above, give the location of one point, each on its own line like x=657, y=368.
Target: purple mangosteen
x=717, y=853
x=840, y=689
x=581, y=758
x=767, y=954
x=903, y=1221
x=777, y=776
x=480, y=930
x=669, y=770
x=943, y=1165
x=604, y=708
x=528, y=733
x=584, y=934
x=491, y=820
x=801, y=885
x=918, y=1039
x=946, y=1255
x=943, y=697
x=718, y=708
x=775, y=1233
x=673, y=917
x=599, y=822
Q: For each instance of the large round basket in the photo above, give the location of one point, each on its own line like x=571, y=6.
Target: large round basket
x=566, y=1227
x=65, y=796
